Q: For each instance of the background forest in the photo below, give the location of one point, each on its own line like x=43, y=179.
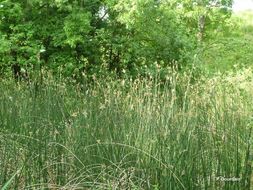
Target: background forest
x=125, y=94
x=94, y=37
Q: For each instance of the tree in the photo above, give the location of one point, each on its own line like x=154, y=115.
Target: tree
x=204, y=16
x=90, y=36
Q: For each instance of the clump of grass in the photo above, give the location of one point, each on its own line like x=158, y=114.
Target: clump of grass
x=123, y=134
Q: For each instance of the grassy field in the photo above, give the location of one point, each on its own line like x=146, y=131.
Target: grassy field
x=125, y=134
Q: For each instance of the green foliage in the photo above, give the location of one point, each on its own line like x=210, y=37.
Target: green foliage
x=90, y=36
x=158, y=37
x=76, y=27
x=232, y=49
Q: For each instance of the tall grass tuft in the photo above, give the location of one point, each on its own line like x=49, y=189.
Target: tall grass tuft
x=124, y=134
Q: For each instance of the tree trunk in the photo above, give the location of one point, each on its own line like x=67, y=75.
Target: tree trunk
x=202, y=20
x=16, y=69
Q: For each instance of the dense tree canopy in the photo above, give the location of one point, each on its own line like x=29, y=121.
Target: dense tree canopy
x=77, y=37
